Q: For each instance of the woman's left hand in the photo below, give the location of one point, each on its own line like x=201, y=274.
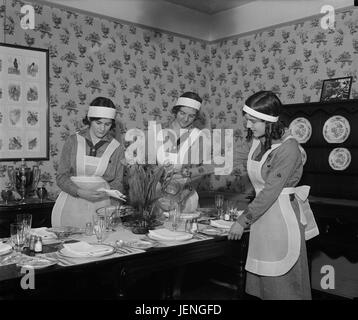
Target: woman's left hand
x=236, y=231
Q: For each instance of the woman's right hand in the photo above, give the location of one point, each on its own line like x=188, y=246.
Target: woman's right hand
x=92, y=195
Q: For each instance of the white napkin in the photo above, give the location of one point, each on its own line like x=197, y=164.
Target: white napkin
x=84, y=249
x=43, y=233
x=221, y=224
x=4, y=247
x=165, y=234
x=113, y=193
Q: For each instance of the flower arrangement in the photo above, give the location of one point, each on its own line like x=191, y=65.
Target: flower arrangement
x=152, y=189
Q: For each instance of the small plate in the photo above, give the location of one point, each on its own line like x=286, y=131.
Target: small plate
x=4, y=253
x=36, y=263
x=140, y=244
x=339, y=159
x=336, y=129
x=301, y=129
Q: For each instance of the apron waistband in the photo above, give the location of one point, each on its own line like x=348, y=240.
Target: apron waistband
x=87, y=179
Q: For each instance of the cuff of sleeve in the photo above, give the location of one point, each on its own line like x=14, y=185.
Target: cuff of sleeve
x=243, y=220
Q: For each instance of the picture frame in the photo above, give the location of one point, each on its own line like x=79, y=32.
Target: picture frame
x=336, y=89
x=24, y=103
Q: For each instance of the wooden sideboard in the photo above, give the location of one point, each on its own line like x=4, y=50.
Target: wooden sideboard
x=41, y=213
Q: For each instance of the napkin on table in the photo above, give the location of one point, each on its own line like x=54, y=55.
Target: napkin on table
x=43, y=233
x=4, y=247
x=85, y=249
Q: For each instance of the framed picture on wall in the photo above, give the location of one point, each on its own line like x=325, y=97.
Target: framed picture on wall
x=24, y=103
x=336, y=89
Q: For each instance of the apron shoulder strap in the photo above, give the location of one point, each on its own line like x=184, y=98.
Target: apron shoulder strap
x=103, y=163
x=80, y=156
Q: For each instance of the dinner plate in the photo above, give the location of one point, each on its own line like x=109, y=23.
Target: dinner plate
x=150, y=236
x=36, y=263
x=339, y=159
x=140, y=244
x=336, y=129
x=71, y=254
x=301, y=129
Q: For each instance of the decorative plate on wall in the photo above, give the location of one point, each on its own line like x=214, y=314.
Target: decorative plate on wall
x=336, y=129
x=303, y=154
x=301, y=129
x=339, y=159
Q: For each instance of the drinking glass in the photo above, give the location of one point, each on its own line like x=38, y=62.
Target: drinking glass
x=17, y=235
x=26, y=220
x=174, y=217
x=41, y=193
x=219, y=203
x=99, y=227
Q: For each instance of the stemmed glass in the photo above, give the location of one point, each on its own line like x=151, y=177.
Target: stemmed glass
x=174, y=217
x=17, y=235
x=41, y=193
x=219, y=203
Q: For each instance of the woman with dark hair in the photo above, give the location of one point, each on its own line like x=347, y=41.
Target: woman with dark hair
x=90, y=160
x=178, y=145
x=279, y=217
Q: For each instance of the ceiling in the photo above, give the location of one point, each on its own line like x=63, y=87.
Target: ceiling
x=210, y=6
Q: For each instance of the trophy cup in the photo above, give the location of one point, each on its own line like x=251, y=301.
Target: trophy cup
x=24, y=179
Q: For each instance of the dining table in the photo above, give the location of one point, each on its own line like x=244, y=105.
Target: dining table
x=122, y=268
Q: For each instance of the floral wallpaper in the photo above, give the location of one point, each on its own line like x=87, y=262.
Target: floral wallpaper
x=292, y=61
x=144, y=71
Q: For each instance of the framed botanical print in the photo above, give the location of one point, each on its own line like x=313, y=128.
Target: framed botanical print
x=24, y=103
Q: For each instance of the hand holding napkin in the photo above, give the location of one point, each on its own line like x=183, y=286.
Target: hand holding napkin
x=84, y=249
x=168, y=235
x=113, y=193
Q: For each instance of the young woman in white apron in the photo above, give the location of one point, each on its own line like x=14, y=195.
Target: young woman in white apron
x=89, y=161
x=185, y=148
x=280, y=216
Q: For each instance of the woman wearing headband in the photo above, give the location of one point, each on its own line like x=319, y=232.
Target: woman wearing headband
x=180, y=147
x=90, y=160
x=279, y=217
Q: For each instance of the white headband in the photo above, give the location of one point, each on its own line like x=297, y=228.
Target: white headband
x=101, y=112
x=187, y=102
x=260, y=115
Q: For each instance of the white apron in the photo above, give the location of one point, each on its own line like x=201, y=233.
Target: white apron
x=178, y=158
x=76, y=212
x=274, y=245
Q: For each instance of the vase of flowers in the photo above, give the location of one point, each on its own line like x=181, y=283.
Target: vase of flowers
x=143, y=192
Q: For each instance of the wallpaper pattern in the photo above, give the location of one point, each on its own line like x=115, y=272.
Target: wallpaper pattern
x=144, y=71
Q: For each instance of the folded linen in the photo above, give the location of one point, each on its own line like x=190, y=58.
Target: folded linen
x=4, y=247
x=114, y=193
x=168, y=235
x=84, y=249
x=223, y=224
x=43, y=233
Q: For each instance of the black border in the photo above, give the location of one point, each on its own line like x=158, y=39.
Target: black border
x=332, y=80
